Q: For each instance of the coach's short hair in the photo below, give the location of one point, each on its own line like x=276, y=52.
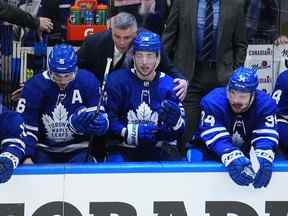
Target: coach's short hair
x=124, y=20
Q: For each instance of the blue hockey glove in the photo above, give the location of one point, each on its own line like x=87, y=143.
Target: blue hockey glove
x=99, y=125
x=80, y=121
x=264, y=174
x=169, y=113
x=239, y=167
x=8, y=162
x=141, y=134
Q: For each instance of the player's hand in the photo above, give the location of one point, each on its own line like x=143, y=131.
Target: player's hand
x=17, y=93
x=264, y=174
x=181, y=88
x=7, y=166
x=28, y=161
x=169, y=113
x=239, y=167
x=141, y=134
x=80, y=121
x=281, y=40
x=45, y=25
x=99, y=125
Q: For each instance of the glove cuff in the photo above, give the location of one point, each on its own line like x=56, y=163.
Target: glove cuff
x=266, y=154
x=231, y=156
x=11, y=157
x=132, y=134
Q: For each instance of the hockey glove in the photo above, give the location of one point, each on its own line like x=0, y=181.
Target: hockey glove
x=80, y=121
x=239, y=167
x=169, y=114
x=263, y=176
x=141, y=134
x=8, y=162
x=99, y=125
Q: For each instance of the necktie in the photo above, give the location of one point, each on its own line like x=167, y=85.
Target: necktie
x=207, y=47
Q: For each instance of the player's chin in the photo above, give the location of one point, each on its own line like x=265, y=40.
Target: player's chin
x=237, y=109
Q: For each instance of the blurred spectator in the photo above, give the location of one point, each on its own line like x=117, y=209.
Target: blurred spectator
x=150, y=14
x=17, y=16
x=262, y=22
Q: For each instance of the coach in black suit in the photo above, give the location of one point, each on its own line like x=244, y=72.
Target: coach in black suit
x=115, y=43
x=185, y=40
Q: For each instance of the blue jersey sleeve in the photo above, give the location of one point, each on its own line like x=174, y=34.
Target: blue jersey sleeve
x=212, y=128
x=265, y=135
x=115, y=101
x=12, y=133
x=280, y=95
x=29, y=106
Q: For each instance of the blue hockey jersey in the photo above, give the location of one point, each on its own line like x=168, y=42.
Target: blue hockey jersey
x=223, y=131
x=132, y=100
x=46, y=110
x=280, y=95
x=12, y=134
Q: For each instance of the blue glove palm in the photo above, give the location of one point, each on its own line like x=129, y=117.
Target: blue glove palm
x=7, y=166
x=169, y=113
x=239, y=167
x=80, y=121
x=99, y=125
x=264, y=174
x=240, y=170
x=141, y=134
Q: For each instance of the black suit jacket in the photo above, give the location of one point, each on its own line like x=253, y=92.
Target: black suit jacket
x=96, y=48
x=180, y=37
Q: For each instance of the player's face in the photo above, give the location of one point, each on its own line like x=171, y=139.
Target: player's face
x=62, y=80
x=239, y=101
x=123, y=38
x=145, y=63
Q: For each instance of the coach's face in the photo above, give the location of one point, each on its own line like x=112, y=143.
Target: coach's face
x=123, y=38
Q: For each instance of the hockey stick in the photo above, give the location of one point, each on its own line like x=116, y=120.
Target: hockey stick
x=100, y=151
x=102, y=90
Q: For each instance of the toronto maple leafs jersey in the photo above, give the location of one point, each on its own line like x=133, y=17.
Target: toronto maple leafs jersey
x=46, y=110
x=12, y=134
x=280, y=95
x=224, y=131
x=132, y=100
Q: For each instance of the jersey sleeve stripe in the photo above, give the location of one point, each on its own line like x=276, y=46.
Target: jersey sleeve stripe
x=266, y=131
x=265, y=137
x=282, y=120
x=11, y=140
x=32, y=128
x=32, y=135
x=212, y=130
x=209, y=142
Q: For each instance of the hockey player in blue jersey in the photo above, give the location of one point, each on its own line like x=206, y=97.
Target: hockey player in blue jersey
x=12, y=137
x=145, y=115
x=59, y=107
x=280, y=95
x=234, y=119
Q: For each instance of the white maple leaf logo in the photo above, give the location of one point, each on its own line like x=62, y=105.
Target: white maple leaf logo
x=143, y=114
x=57, y=126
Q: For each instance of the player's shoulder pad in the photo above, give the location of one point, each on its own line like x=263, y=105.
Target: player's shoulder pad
x=86, y=80
x=39, y=81
x=215, y=101
x=282, y=81
x=120, y=76
x=265, y=103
